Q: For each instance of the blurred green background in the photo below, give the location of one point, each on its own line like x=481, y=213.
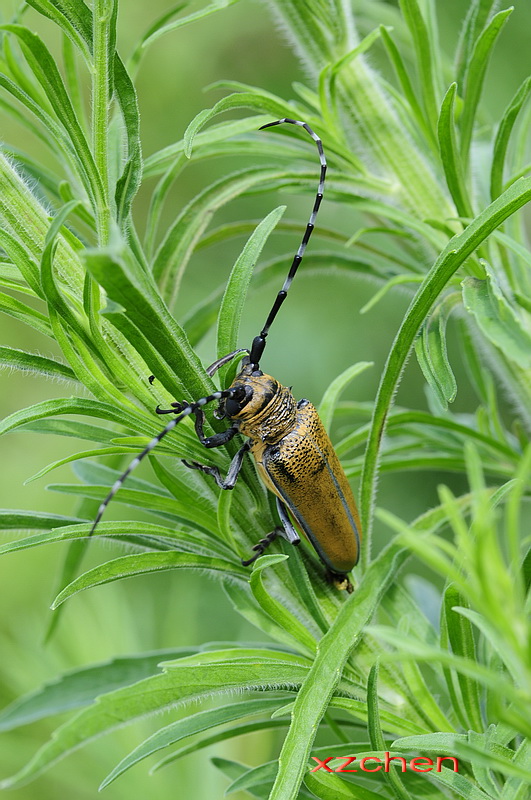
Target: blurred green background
x=318, y=334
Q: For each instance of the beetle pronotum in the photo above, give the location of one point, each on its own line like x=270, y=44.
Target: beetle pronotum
x=292, y=451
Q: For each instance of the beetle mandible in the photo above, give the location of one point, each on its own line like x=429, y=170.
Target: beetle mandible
x=292, y=451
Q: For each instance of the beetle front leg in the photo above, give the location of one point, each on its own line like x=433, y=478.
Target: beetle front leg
x=235, y=464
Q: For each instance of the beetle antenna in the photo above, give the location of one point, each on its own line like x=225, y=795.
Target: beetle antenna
x=189, y=409
x=259, y=341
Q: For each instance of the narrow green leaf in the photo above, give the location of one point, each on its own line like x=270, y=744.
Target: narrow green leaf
x=73, y=428
x=80, y=687
x=376, y=734
x=233, y=302
x=496, y=318
x=333, y=393
x=192, y=680
x=332, y=653
x=19, y=310
x=175, y=250
x=476, y=20
x=423, y=49
x=161, y=27
x=450, y=157
x=73, y=405
x=140, y=532
x=32, y=520
x=75, y=19
x=255, y=99
x=189, y=726
x=151, y=502
x=232, y=770
x=160, y=161
x=43, y=65
x=475, y=76
x=145, y=563
x=449, y=261
x=407, y=88
x=30, y=362
x=222, y=736
x=102, y=451
x=503, y=136
x=432, y=355
x=461, y=639
x=276, y=610
x=334, y=787
x=392, y=723
x=22, y=259
x=137, y=293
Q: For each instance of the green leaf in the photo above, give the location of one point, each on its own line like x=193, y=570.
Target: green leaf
x=151, y=502
x=476, y=20
x=30, y=362
x=503, y=136
x=80, y=687
x=45, y=70
x=102, y=451
x=423, y=49
x=333, y=393
x=285, y=619
x=334, y=787
x=450, y=158
x=496, y=318
x=32, y=520
x=449, y=261
x=185, y=679
x=475, y=76
x=407, y=88
x=145, y=563
x=137, y=293
x=334, y=649
x=176, y=248
x=162, y=27
x=75, y=19
x=222, y=736
x=74, y=405
x=255, y=99
x=233, y=302
x=430, y=348
x=461, y=639
x=163, y=159
x=15, y=308
x=73, y=428
x=22, y=259
x=376, y=734
x=189, y=726
x=144, y=534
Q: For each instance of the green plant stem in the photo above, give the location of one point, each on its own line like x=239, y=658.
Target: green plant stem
x=100, y=111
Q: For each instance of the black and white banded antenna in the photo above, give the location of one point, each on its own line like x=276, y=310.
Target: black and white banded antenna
x=185, y=411
x=259, y=341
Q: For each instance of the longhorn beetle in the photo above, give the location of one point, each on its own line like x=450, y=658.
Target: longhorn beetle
x=291, y=448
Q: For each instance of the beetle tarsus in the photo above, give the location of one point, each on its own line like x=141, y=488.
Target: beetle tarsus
x=340, y=580
x=261, y=546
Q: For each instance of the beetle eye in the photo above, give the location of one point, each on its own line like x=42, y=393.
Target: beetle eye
x=240, y=398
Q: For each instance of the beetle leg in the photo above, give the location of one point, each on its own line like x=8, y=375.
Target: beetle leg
x=176, y=408
x=262, y=545
x=287, y=531
x=218, y=439
x=235, y=464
